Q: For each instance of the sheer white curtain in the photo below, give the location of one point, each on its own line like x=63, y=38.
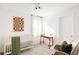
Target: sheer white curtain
x=37, y=29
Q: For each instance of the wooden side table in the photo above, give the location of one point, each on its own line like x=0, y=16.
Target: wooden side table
x=47, y=37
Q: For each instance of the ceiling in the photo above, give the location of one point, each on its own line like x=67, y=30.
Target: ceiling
x=46, y=8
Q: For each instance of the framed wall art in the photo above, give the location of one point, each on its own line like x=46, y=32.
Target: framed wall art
x=18, y=23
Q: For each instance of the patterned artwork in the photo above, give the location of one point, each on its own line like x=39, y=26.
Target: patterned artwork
x=18, y=24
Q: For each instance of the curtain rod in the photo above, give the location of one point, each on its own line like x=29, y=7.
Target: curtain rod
x=37, y=15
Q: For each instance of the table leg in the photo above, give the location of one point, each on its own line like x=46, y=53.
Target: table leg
x=49, y=43
x=43, y=40
x=40, y=40
x=52, y=40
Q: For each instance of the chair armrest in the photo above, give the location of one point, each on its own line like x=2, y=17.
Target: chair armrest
x=60, y=53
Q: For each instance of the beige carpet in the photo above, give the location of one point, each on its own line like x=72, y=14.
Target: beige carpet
x=38, y=50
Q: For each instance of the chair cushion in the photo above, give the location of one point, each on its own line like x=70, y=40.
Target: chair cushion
x=67, y=48
x=57, y=47
x=63, y=45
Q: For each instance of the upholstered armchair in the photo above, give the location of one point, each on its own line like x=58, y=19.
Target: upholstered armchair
x=75, y=51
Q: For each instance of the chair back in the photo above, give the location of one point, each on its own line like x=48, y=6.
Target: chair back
x=75, y=51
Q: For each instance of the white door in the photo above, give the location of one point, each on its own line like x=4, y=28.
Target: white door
x=66, y=28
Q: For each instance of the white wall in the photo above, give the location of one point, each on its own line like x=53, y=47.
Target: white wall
x=8, y=23
x=76, y=24
x=62, y=26
x=69, y=29
x=66, y=31
x=66, y=25
x=53, y=26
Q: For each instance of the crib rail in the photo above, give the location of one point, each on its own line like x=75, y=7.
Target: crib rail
x=8, y=49
x=23, y=46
